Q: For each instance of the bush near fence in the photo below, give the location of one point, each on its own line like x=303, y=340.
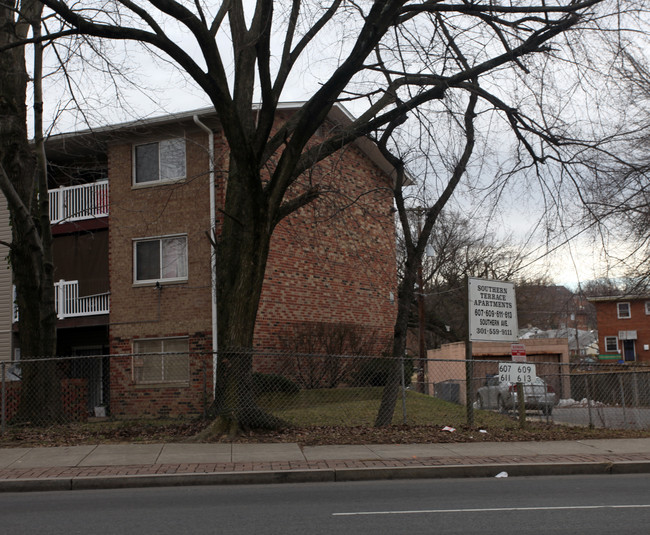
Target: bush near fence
x=74, y=399
x=315, y=371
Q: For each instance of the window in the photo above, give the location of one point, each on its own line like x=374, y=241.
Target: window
x=647, y=308
x=611, y=344
x=161, y=361
x=160, y=259
x=159, y=162
x=623, y=310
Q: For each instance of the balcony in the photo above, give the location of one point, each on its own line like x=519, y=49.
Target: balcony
x=70, y=305
x=75, y=203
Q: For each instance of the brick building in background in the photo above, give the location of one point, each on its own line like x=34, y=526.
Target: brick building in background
x=333, y=262
x=623, y=327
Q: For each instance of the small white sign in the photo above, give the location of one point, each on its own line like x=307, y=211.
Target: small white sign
x=513, y=372
x=518, y=352
x=492, y=311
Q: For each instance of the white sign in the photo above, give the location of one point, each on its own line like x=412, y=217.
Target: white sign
x=492, y=311
x=512, y=372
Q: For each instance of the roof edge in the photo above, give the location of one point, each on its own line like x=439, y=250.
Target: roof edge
x=622, y=297
x=338, y=113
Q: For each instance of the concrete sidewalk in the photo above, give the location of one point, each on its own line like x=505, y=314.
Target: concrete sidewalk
x=141, y=465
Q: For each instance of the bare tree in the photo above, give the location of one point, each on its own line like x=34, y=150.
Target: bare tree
x=547, y=144
x=461, y=248
x=617, y=191
x=23, y=181
x=25, y=45
x=391, y=58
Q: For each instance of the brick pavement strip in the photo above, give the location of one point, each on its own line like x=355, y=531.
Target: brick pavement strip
x=286, y=466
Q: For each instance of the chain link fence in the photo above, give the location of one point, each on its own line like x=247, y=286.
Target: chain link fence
x=308, y=390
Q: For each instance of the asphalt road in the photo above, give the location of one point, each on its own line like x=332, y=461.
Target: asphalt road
x=543, y=505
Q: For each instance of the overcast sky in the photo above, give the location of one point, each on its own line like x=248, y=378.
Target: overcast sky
x=153, y=87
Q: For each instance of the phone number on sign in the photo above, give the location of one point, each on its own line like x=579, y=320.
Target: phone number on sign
x=494, y=332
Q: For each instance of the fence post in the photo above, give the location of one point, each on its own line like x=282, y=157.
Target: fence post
x=620, y=383
x=469, y=390
x=591, y=421
x=205, y=391
x=548, y=413
x=637, y=401
x=3, y=370
x=521, y=405
x=402, y=381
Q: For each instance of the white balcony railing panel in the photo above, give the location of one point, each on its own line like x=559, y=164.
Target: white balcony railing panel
x=69, y=305
x=74, y=203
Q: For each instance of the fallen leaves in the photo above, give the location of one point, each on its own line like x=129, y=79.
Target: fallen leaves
x=155, y=431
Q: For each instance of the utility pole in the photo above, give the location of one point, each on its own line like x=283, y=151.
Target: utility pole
x=421, y=332
x=421, y=376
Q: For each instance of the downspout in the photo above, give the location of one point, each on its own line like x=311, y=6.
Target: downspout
x=213, y=256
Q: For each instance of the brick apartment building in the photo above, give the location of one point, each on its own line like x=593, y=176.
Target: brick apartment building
x=623, y=327
x=131, y=211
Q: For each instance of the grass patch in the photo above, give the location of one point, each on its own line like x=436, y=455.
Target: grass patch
x=358, y=406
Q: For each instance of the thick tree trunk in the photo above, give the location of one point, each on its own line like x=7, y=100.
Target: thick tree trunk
x=40, y=399
x=21, y=180
x=242, y=253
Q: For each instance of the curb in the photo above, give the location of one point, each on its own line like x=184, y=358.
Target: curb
x=322, y=476
x=474, y=470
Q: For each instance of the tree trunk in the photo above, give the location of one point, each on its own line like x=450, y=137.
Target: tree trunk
x=242, y=252
x=414, y=252
x=393, y=383
x=40, y=399
x=24, y=185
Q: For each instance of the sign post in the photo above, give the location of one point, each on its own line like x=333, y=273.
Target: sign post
x=492, y=317
x=519, y=373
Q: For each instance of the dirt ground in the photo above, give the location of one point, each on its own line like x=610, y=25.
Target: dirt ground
x=151, y=432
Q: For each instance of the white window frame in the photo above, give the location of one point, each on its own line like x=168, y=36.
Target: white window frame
x=181, y=176
x=160, y=278
x=647, y=308
x=138, y=360
x=607, y=348
x=618, y=310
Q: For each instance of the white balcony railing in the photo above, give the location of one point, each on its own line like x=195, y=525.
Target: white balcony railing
x=74, y=203
x=69, y=304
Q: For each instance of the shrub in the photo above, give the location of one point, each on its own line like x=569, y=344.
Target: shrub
x=264, y=383
x=374, y=372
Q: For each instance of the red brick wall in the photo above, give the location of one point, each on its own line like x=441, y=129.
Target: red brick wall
x=609, y=325
x=334, y=261
x=173, y=309
x=74, y=399
x=140, y=212
x=129, y=399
